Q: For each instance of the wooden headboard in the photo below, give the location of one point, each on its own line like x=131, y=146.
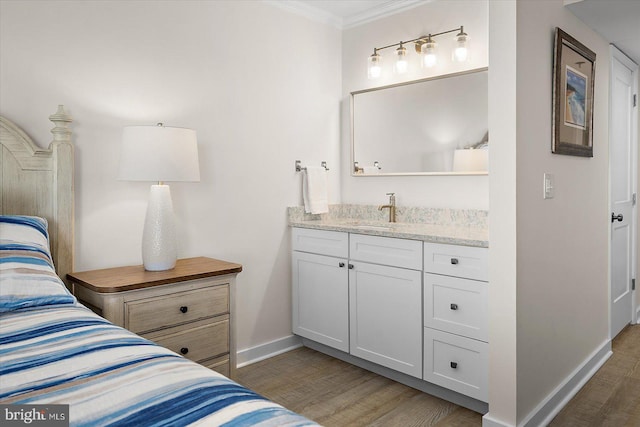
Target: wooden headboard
x=35, y=181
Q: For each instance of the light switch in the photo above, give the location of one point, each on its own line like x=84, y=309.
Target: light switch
x=549, y=186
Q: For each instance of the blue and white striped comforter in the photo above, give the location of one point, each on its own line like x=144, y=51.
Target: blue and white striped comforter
x=59, y=352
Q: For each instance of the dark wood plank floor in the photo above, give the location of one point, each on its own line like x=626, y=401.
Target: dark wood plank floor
x=335, y=393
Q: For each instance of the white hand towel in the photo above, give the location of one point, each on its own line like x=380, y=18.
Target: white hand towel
x=314, y=190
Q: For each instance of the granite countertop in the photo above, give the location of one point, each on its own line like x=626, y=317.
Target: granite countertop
x=455, y=229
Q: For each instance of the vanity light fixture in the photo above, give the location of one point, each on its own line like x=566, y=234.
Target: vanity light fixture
x=374, y=69
x=425, y=46
x=402, y=64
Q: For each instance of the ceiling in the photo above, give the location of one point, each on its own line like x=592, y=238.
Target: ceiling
x=618, y=21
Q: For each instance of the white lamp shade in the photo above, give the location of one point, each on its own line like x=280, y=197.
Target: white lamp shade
x=159, y=153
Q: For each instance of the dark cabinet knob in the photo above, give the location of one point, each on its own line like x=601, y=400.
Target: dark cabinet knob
x=351, y=266
x=184, y=309
x=454, y=365
x=341, y=264
x=184, y=350
x=454, y=306
x=454, y=261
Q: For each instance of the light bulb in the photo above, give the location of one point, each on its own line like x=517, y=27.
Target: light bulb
x=374, y=68
x=461, y=46
x=402, y=65
x=428, y=49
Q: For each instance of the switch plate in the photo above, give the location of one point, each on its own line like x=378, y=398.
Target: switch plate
x=549, y=186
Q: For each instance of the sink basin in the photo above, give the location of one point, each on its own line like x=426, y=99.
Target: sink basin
x=373, y=227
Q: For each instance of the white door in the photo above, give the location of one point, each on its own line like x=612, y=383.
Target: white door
x=385, y=316
x=321, y=299
x=622, y=155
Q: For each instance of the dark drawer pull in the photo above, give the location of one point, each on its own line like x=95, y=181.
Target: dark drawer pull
x=184, y=350
x=341, y=264
x=184, y=309
x=454, y=261
x=454, y=365
x=351, y=266
x=454, y=306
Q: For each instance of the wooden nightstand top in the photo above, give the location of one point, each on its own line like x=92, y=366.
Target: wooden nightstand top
x=119, y=279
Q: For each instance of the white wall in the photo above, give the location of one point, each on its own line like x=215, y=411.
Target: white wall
x=432, y=191
x=503, y=265
x=260, y=85
x=561, y=244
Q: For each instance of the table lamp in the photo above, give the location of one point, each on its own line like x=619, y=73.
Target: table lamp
x=159, y=154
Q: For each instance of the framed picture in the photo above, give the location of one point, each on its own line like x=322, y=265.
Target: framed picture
x=574, y=69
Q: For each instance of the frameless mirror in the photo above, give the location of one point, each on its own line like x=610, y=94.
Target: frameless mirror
x=433, y=126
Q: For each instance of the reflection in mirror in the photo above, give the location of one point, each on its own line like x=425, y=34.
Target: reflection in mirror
x=431, y=126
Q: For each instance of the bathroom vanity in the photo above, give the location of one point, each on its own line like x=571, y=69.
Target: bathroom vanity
x=405, y=300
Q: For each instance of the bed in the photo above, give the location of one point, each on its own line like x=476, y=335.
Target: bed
x=54, y=351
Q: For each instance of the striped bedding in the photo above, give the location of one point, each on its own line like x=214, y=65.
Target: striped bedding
x=55, y=351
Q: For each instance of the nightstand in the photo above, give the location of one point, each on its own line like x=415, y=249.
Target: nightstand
x=189, y=309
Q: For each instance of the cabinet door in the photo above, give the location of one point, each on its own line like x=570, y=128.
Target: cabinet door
x=386, y=316
x=321, y=299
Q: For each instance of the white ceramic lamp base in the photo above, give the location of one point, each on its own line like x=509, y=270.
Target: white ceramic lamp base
x=159, y=246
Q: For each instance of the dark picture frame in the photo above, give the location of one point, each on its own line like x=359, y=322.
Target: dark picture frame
x=574, y=69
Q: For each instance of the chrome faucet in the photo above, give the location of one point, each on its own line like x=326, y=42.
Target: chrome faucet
x=391, y=206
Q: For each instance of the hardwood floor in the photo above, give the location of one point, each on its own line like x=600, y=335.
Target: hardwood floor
x=612, y=397
x=335, y=393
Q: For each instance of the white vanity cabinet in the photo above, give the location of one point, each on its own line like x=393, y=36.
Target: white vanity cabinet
x=320, y=286
x=411, y=310
x=456, y=318
x=385, y=307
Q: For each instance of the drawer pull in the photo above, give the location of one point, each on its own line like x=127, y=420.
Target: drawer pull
x=184, y=350
x=341, y=264
x=454, y=365
x=454, y=261
x=454, y=306
x=184, y=309
x=351, y=266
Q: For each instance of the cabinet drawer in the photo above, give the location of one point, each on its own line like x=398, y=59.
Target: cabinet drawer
x=386, y=251
x=460, y=261
x=331, y=243
x=457, y=363
x=153, y=313
x=196, y=342
x=456, y=305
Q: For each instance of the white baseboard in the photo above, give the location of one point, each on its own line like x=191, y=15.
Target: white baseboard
x=544, y=413
x=264, y=351
x=489, y=421
x=548, y=408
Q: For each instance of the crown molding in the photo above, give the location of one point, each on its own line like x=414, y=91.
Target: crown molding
x=305, y=9
x=383, y=10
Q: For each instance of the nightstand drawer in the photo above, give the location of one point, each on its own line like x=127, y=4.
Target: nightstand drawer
x=219, y=364
x=163, y=311
x=197, y=341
